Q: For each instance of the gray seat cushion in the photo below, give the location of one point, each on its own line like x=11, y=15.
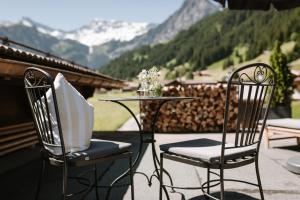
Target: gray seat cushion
x=99, y=149
x=284, y=123
x=206, y=150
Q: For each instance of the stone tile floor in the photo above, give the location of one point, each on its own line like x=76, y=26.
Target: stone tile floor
x=278, y=183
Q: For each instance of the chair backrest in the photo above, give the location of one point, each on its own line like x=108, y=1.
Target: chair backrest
x=40, y=91
x=253, y=87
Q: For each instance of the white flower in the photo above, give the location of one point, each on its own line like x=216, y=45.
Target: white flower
x=143, y=75
x=149, y=79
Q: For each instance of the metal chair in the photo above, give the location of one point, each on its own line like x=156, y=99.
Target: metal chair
x=37, y=83
x=253, y=85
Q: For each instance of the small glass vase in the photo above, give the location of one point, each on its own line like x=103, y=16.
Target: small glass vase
x=142, y=93
x=147, y=90
x=151, y=93
x=143, y=89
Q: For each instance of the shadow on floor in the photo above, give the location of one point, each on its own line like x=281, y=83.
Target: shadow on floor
x=292, y=148
x=228, y=195
x=20, y=183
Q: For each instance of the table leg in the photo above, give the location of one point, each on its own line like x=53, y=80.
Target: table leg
x=140, y=131
x=142, y=142
x=156, y=161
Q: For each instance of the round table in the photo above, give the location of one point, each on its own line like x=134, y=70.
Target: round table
x=142, y=136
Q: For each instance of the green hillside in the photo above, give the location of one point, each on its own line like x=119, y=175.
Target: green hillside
x=212, y=39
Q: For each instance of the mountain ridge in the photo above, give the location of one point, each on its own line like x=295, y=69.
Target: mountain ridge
x=81, y=45
x=189, y=13
x=97, y=32
x=214, y=38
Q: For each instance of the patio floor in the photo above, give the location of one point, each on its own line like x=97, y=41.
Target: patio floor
x=278, y=183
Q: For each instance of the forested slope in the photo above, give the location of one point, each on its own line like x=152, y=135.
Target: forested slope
x=211, y=39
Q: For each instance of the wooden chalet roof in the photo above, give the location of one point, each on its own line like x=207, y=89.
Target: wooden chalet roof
x=13, y=63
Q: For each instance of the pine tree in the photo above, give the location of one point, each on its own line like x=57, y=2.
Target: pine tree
x=284, y=84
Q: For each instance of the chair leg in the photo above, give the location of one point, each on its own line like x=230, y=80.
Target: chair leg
x=96, y=181
x=42, y=172
x=208, y=185
x=161, y=175
x=258, y=179
x=65, y=181
x=222, y=192
x=131, y=177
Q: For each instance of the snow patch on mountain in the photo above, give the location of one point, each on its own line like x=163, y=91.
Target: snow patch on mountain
x=6, y=23
x=26, y=23
x=101, y=31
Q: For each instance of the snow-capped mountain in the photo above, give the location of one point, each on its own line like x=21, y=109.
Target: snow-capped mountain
x=97, y=32
x=77, y=45
x=42, y=28
x=101, y=31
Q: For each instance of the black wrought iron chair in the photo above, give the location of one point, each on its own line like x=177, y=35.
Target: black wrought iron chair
x=253, y=86
x=37, y=83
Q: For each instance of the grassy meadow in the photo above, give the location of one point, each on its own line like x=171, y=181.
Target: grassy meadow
x=296, y=109
x=110, y=116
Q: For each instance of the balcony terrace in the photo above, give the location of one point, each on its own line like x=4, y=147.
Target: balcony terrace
x=278, y=182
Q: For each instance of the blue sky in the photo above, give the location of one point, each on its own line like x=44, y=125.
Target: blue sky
x=70, y=14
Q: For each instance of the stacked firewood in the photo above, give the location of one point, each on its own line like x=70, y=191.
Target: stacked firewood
x=204, y=114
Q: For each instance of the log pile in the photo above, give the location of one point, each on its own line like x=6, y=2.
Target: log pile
x=198, y=115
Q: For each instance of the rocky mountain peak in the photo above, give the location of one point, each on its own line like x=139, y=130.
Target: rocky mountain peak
x=190, y=12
